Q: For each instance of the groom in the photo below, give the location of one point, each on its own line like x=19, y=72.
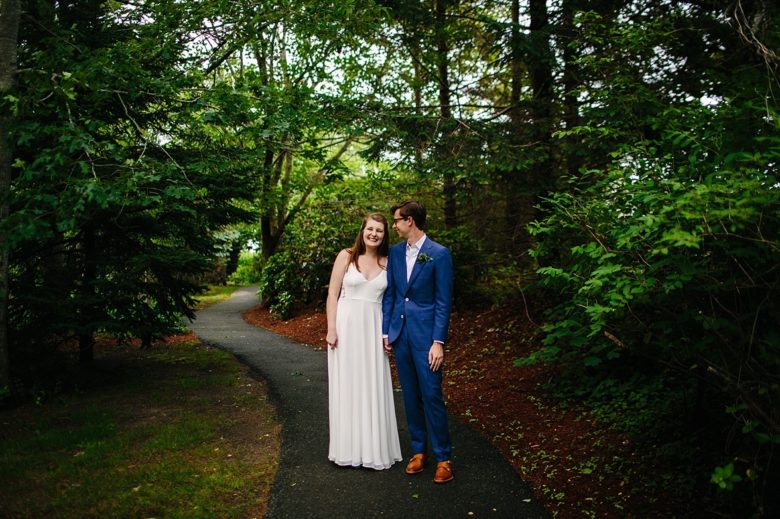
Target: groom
x=416, y=310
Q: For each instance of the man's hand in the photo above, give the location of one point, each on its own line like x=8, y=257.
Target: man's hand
x=386, y=345
x=436, y=356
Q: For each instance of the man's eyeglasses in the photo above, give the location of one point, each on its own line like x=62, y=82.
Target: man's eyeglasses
x=396, y=220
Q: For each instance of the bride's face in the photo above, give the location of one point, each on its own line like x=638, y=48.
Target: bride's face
x=373, y=233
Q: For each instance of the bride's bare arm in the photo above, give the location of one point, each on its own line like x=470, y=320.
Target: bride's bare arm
x=334, y=290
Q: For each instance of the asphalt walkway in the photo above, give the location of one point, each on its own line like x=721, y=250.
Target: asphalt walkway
x=308, y=485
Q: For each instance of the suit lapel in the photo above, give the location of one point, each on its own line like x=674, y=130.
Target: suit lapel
x=400, y=267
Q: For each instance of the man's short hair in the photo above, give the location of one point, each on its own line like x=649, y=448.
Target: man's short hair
x=413, y=208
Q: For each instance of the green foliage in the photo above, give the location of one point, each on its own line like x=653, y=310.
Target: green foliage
x=482, y=277
x=674, y=261
x=248, y=270
x=725, y=477
x=281, y=281
x=113, y=204
x=297, y=275
x=661, y=257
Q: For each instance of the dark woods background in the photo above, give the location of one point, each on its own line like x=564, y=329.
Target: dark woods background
x=612, y=164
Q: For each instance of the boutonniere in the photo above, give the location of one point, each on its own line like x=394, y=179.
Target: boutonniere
x=423, y=258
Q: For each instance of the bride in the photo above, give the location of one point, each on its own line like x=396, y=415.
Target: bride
x=363, y=429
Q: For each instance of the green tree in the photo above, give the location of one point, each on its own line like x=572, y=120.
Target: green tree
x=9, y=27
x=113, y=214
x=297, y=275
x=283, y=113
x=661, y=255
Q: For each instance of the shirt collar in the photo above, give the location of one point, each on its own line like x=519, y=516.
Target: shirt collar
x=418, y=245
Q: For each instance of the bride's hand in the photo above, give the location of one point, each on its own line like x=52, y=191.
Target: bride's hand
x=331, y=339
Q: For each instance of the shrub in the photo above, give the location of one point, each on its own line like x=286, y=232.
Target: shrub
x=249, y=269
x=297, y=275
x=678, y=271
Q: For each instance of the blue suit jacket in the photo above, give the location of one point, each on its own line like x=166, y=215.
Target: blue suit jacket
x=423, y=303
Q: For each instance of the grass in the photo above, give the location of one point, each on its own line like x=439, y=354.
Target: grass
x=177, y=431
x=215, y=294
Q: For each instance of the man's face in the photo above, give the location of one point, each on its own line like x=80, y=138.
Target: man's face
x=402, y=225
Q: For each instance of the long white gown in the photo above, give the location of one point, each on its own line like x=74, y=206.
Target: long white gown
x=363, y=428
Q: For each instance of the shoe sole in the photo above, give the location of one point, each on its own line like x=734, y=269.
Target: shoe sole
x=440, y=481
x=413, y=471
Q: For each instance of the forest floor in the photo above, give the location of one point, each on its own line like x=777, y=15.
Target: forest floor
x=576, y=467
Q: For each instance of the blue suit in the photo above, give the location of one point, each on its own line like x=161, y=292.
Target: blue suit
x=416, y=313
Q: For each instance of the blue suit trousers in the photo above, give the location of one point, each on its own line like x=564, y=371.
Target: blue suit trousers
x=423, y=398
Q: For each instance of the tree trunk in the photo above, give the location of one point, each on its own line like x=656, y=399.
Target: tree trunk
x=86, y=308
x=526, y=185
x=442, y=50
x=418, y=83
x=540, y=69
x=519, y=206
x=9, y=30
x=268, y=241
x=570, y=84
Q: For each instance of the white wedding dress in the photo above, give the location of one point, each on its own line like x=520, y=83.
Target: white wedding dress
x=363, y=428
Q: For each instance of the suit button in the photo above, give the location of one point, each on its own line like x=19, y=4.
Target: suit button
x=402, y=316
x=407, y=299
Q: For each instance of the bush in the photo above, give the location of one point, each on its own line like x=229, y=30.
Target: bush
x=297, y=275
x=249, y=269
x=482, y=278
x=676, y=271
x=280, y=283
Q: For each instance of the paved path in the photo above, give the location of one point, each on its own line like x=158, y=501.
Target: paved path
x=309, y=486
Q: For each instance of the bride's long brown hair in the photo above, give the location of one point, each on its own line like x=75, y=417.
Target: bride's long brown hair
x=360, y=246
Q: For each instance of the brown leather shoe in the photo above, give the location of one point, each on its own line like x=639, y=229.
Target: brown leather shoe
x=416, y=464
x=443, y=472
